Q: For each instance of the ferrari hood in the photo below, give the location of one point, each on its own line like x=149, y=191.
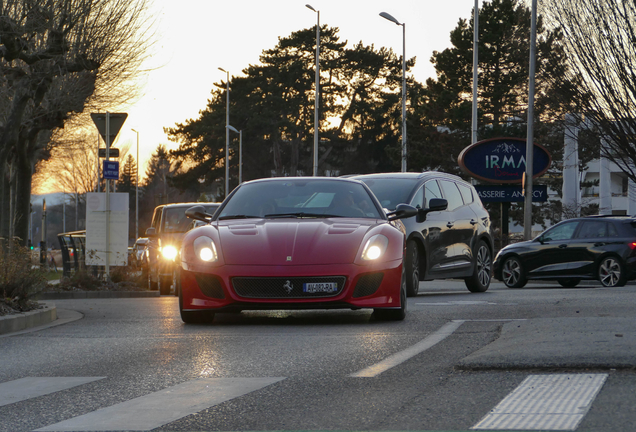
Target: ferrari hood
x=291, y=242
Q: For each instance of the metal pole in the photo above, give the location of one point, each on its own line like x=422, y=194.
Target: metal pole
x=403, y=97
x=317, y=101
x=394, y=20
x=475, y=68
x=227, y=134
x=107, y=269
x=97, y=175
x=240, y=156
x=527, y=214
x=137, y=191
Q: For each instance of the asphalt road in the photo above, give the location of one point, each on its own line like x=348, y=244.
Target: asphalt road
x=542, y=357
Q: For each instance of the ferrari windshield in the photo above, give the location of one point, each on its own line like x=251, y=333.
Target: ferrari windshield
x=300, y=198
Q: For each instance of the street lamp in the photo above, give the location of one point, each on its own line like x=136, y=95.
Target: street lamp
x=137, y=191
x=390, y=18
x=227, y=133
x=317, y=101
x=233, y=129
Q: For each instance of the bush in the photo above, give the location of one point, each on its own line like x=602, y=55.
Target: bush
x=19, y=280
x=81, y=280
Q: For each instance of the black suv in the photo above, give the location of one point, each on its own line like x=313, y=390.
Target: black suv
x=169, y=224
x=450, y=237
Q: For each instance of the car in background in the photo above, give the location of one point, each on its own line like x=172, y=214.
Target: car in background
x=295, y=243
x=139, y=253
x=169, y=224
x=443, y=242
x=599, y=248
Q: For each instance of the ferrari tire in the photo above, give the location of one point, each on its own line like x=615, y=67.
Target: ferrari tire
x=194, y=317
x=569, y=282
x=395, y=314
x=482, y=274
x=412, y=265
x=512, y=273
x=611, y=272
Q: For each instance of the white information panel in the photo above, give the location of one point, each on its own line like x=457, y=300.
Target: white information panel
x=96, y=245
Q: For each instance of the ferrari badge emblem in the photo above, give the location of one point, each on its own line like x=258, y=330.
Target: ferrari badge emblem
x=288, y=287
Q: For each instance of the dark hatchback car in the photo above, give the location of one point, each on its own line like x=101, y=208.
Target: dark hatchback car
x=450, y=237
x=596, y=247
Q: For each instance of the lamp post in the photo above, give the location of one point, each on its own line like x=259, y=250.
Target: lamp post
x=392, y=19
x=527, y=208
x=317, y=101
x=233, y=129
x=227, y=133
x=137, y=191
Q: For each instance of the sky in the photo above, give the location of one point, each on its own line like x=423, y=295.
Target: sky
x=194, y=38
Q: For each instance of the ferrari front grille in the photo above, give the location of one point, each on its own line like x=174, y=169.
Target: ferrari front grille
x=288, y=288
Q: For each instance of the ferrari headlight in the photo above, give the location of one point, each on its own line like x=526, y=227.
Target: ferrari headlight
x=375, y=247
x=204, y=249
x=169, y=252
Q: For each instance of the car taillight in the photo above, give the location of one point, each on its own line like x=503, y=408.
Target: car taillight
x=632, y=245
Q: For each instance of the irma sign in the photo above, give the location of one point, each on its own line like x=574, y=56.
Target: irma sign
x=502, y=160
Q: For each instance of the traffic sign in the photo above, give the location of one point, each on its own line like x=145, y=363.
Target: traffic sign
x=111, y=170
x=114, y=152
x=116, y=121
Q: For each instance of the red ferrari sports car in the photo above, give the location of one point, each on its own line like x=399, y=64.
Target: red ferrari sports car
x=295, y=243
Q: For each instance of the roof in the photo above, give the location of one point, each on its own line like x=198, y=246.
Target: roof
x=189, y=204
x=407, y=175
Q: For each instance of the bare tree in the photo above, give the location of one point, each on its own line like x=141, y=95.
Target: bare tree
x=599, y=36
x=58, y=59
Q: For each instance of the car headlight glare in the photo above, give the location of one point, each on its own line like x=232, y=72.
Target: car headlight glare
x=205, y=249
x=169, y=252
x=376, y=247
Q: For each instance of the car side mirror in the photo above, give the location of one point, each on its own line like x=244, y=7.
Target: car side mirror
x=402, y=211
x=151, y=232
x=434, y=204
x=198, y=213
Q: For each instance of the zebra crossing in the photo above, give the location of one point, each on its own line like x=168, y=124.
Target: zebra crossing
x=541, y=402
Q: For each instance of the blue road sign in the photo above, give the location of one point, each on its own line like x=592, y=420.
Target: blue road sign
x=111, y=170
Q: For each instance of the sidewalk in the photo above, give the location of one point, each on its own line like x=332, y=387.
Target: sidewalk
x=48, y=314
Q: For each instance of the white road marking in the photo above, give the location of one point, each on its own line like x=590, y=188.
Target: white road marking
x=545, y=402
x=31, y=387
x=157, y=409
x=400, y=357
x=464, y=303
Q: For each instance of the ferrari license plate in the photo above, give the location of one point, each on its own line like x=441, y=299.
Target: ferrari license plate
x=320, y=287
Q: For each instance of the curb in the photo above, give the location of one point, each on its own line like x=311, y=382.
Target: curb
x=69, y=295
x=48, y=314
x=26, y=320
